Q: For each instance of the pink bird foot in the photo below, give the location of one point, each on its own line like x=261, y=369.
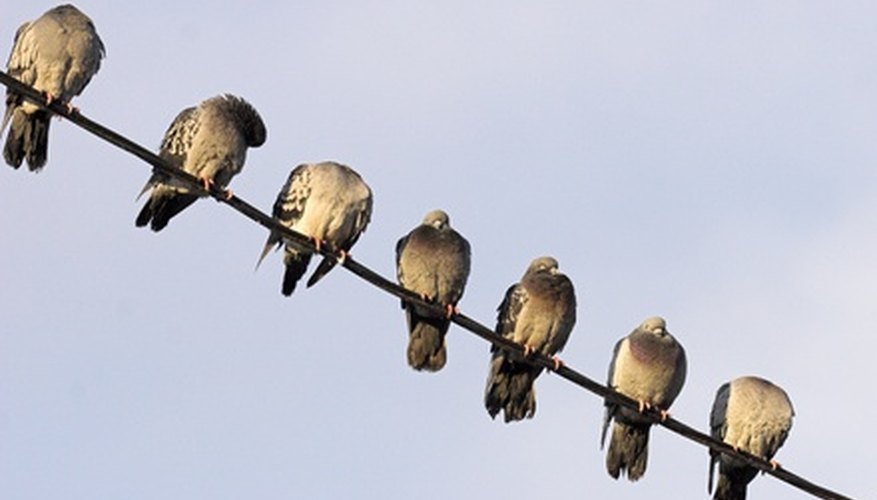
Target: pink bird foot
x=342, y=256
x=451, y=310
x=318, y=244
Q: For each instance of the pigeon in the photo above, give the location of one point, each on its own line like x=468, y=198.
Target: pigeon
x=209, y=141
x=433, y=262
x=649, y=366
x=753, y=415
x=539, y=313
x=57, y=54
x=329, y=203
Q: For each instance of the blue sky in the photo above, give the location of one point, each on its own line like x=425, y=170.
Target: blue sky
x=709, y=162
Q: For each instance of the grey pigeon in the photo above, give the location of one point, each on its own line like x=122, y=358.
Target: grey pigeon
x=649, y=366
x=327, y=202
x=57, y=54
x=753, y=415
x=209, y=141
x=539, y=313
x=433, y=262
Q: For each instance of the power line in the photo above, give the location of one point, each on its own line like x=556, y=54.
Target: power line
x=388, y=286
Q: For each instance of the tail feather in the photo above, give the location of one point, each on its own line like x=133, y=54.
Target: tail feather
x=12, y=103
x=733, y=481
x=145, y=215
x=728, y=489
x=13, y=150
x=628, y=450
x=160, y=208
x=325, y=266
x=426, y=342
x=273, y=240
x=28, y=139
x=296, y=265
x=38, y=148
x=510, y=389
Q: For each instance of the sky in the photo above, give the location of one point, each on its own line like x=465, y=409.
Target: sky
x=709, y=162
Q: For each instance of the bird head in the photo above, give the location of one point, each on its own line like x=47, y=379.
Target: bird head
x=437, y=219
x=251, y=124
x=655, y=325
x=544, y=264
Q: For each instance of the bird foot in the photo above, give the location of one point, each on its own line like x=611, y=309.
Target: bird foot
x=450, y=310
x=206, y=183
x=49, y=98
x=774, y=464
x=318, y=244
x=644, y=405
x=557, y=362
x=528, y=350
x=665, y=414
x=342, y=256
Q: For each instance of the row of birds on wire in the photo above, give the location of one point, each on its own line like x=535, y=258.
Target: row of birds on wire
x=60, y=52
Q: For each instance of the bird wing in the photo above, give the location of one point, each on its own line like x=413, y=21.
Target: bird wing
x=610, y=406
x=290, y=204
x=22, y=56
x=718, y=426
x=459, y=258
x=565, y=308
x=516, y=297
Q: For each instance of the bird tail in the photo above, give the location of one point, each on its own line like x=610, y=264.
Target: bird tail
x=273, y=240
x=296, y=265
x=28, y=138
x=628, y=450
x=325, y=266
x=510, y=388
x=426, y=341
x=732, y=482
x=161, y=207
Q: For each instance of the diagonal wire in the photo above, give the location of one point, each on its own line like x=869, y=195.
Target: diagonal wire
x=379, y=281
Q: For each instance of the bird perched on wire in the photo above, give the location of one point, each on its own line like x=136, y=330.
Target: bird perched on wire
x=539, y=313
x=57, y=54
x=329, y=203
x=753, y=415
x=208, y=141
x=432, y=261
x=649, y=366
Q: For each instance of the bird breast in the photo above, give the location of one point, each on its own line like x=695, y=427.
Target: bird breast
x=644, y=372
x=434, y=265
x=331, y=216
x=757, y=419
x=536, y=325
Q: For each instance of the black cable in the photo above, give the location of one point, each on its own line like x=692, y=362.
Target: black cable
x=379, y=281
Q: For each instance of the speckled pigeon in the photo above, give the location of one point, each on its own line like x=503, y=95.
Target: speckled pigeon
x=327, y=202
x=432, y=261
x=539, y=313
x=753, y=415
x=649, y=366
x=209, y=141
x=57, y=54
